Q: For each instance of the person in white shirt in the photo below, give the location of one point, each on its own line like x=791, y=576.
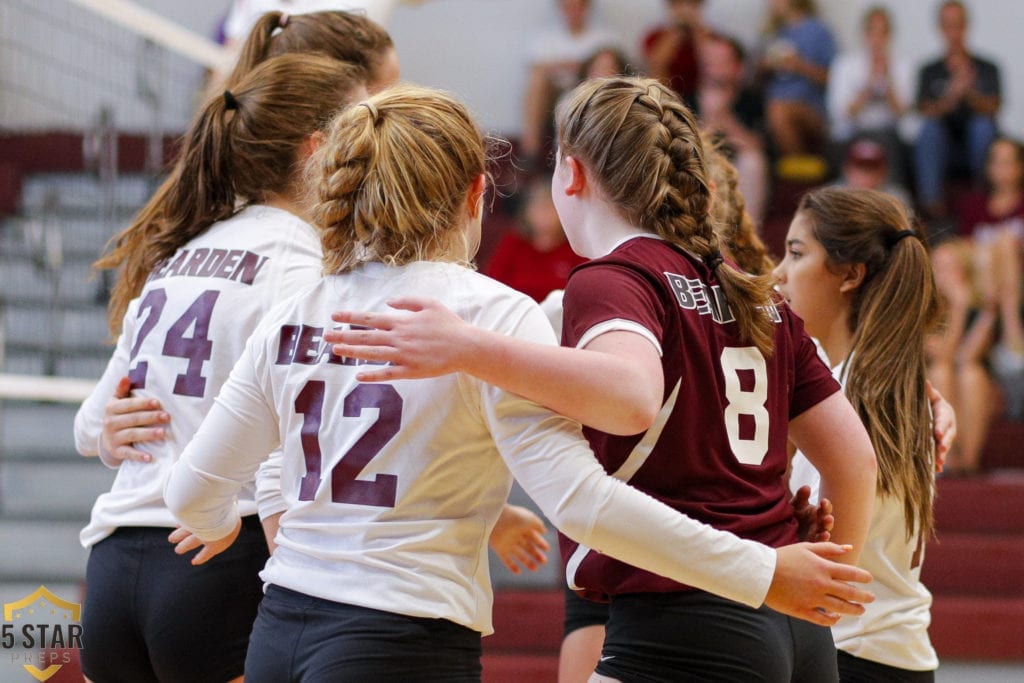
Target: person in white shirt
x=555, y=55
x=392, y=488
x=201, y=264
x=860, y=274
x=871, y=91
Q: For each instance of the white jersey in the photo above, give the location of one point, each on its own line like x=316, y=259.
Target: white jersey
x=894, y=628
x=181, y=338
x=392, y=489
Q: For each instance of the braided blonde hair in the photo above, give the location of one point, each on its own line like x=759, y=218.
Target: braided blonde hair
x=391, y=181
x=644, y=149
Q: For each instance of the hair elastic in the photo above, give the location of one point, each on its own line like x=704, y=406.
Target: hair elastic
x=894, y=239
x=230, y=103
x=713, y=260
x=372, y=108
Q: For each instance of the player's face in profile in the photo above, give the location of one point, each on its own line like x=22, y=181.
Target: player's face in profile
x=805, y=280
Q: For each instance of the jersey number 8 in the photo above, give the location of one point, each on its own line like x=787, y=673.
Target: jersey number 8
x=746, y=404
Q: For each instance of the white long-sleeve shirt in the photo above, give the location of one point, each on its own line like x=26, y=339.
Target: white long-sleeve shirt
x=181, y=338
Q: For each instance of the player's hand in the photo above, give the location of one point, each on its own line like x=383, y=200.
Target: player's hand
x=808, y=585
x=129, y=420
x=814, y=522
x=185, y=541
x=518, y=539
x=422, y=340
x=943, y=425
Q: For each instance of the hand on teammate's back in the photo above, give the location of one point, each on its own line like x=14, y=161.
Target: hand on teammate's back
x=518, y=539
x=808, y=585
x=129, y=420
x=815, y=521
x=422, y=339
x=185, y=541
x=943, y=425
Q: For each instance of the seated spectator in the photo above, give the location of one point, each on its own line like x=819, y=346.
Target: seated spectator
x=796, y=61
x=980, y=276
x=732, y=113
x=556, y=56
x=539, y=259
x=605, y=63
x=958, y=97
x=866, y=167
x=671, y=49
x=870, y=89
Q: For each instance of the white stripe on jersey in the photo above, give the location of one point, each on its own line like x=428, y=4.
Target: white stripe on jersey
x=637, y=457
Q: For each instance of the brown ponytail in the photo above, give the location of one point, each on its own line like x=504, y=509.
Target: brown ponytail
x=241, y=147
x=343, y=36
x=894, y=308
x=644, y=148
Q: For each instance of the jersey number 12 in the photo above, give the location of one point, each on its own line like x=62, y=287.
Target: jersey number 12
x=345, y=488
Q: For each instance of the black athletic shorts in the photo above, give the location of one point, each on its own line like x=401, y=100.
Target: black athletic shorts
x=856, y=670
x=696, y=636
x=149, y=615
x=298, y=637
x=580, y=613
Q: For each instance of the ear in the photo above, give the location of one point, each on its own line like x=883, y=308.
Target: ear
x=853, y=277
x=475, y=196
x=311, y=144
x=576, y=176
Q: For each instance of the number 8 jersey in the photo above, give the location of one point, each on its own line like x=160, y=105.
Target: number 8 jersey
x=181, y=337
x=717, y=450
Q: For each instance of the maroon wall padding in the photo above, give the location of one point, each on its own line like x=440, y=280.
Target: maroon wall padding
x=10, y=188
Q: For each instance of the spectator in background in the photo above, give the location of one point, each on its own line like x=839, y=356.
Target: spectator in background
x=537, y=260
x=606, y=62
x=866, y=167
x=555, y=58
x=796, y=61
x=671, y=49
x=733, y=114
x=980, y=276
x=958, y=97
x=870, y=89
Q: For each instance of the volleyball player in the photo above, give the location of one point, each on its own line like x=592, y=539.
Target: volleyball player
x=199, y=270
x=380, y=571
x=859, y=274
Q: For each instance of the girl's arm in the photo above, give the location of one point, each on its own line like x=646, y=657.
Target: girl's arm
x=615, y=384
x=235, y=438
x=832, y=437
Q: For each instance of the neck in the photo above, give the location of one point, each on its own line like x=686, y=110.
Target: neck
x=283, y=202
x=837, y=340
x=602, y=229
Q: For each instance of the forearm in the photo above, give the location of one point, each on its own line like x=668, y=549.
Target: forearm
x=224, y=454
x=986, y=105
x=832, y=437
x=620, y=521
x=602, y=390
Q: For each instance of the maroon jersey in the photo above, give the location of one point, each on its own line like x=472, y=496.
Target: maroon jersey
x=717, y=451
